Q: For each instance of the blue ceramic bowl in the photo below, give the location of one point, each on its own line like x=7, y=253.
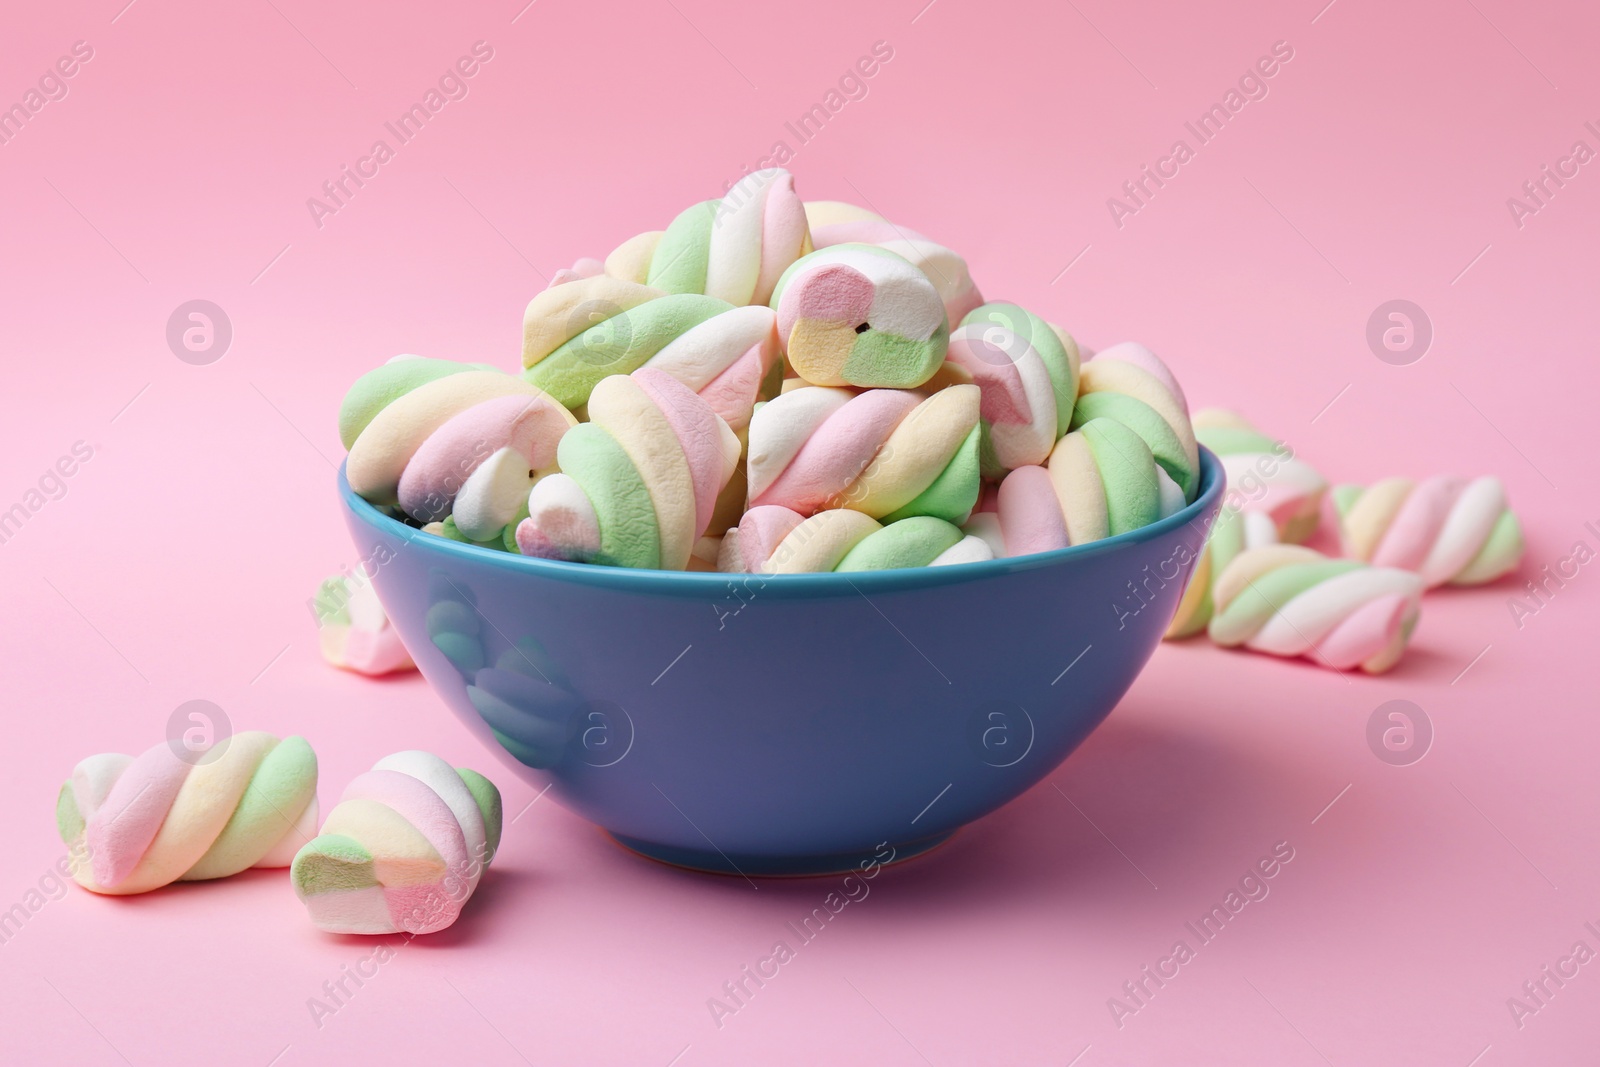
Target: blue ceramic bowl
x=787, y=724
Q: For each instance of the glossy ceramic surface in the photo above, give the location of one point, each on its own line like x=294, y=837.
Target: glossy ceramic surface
x=789, y=724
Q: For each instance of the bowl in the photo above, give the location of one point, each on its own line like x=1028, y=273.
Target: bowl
x=783, y=724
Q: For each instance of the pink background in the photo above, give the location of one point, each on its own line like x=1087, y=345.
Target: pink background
x=179, y=561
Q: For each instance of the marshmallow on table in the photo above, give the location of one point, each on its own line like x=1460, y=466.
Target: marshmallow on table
x=1448, y=530
x=354, y=630
x=772, y=539
x=467, y=445
x=858, y=314
x=1129, y=384
x=402, y=851
x=1100, y=480
x=887, y=453
x=134, y=824
x=1263, y=475
x=833, y=222
x=1234, y=532
x=1027, y=370
x=1272, y=498
x=720, y=351
x=639, y=481
x=1289, y=600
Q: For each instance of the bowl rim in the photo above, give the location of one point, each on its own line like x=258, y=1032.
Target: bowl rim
x=1213, y=483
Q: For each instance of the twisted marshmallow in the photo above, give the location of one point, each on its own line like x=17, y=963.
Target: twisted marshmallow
x=354, y=630
x=771, y=539
x=1289, y=600
x=833, y=222
x=468, y=444
x=1448, y=530
x=1128, y=383
x=640, y=479
x=719, y=351
x=1101, y=480
x=1233, y=532
x=138, y=824
x=568, y=307
x=1027, y=370
x=736, y=248
x=858, y=314
x=402, y=851
x=887, y=453
x=1272, y=498
x=1264, y=475
x=630, y=261
x=377, y=389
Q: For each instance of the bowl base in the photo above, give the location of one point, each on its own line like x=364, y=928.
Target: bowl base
x=717, y=862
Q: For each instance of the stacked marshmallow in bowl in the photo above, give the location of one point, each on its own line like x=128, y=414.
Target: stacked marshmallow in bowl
x=774, y=386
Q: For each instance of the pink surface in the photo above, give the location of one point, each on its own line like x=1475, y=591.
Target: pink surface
x=177, y=559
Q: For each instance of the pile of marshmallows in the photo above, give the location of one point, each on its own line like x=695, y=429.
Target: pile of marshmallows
x=774, y=386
